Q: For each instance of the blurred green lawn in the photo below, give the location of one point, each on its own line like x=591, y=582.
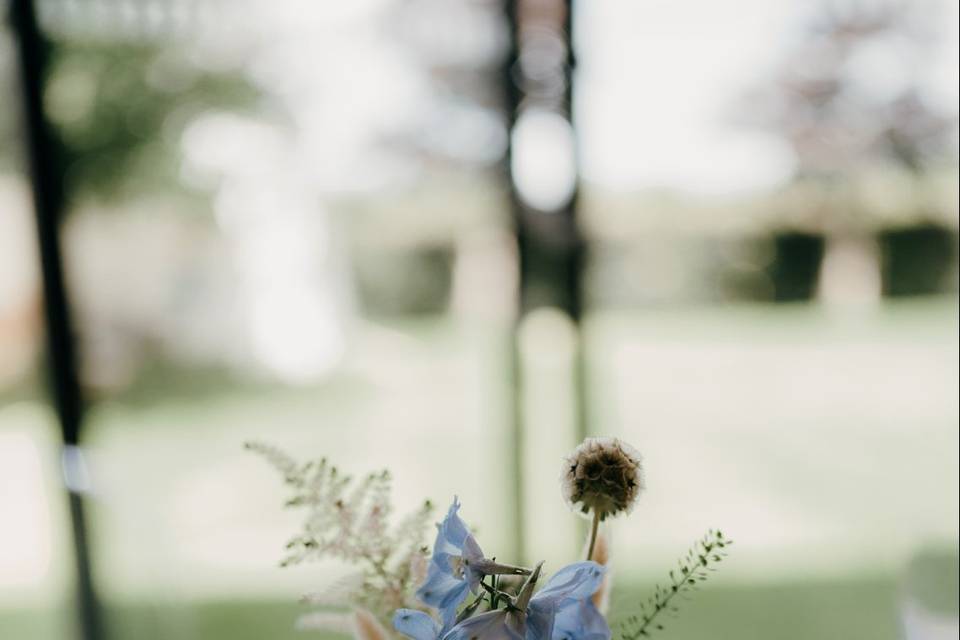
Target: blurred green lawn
x=849, y=609
x=805, y=452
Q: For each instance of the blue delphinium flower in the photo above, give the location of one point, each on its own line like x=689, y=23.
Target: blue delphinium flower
x=579, y=620
x=456, y=568
x=562, y=610
x=451, y=575
x=417, y=625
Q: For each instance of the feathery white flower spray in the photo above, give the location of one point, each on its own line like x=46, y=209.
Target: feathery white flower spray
x=348, y=520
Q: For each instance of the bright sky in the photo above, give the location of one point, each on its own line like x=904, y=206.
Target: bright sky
x=658, y=78
x=656, y=85
x=655, y=77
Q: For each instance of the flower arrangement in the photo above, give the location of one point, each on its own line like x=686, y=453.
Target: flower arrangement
x=454, y=591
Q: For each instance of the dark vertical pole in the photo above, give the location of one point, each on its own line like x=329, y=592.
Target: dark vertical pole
x=511, y=99
x=48, y=197
x=575, y=254
x=550, y=246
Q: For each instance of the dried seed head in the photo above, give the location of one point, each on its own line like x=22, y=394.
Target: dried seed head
x=602, y=475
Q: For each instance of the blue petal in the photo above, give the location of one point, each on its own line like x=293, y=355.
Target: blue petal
x=472, y=554
x=578, y=580
x=451, y=536
x=447, y=562
x=443, y=592
x=416, y=624
x=579, y=620
x=453, y=530
x=540, y=619
x=471, y=549
x=492, y=625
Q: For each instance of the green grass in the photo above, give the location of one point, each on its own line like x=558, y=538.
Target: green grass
x=816, y=610
x=793, y=461
x=849, y=609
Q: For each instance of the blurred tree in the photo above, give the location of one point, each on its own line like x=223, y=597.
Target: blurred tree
x=794, y=269
x=916, y=260
x=412, y=281
x=849, y=94
x=849, y=98
x=120, y=109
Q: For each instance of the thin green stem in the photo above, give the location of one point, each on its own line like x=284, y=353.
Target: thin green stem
x=471, y=608
x=692, y=571
x=495, y=593
x=593, y=534
x=660, y=606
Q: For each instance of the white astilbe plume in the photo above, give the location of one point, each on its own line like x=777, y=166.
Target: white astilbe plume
x=349, y=520
x=338, y=594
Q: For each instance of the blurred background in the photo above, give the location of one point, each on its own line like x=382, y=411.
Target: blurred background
x=452, y=237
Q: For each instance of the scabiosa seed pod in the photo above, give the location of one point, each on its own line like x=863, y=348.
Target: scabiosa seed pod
x=602, y=477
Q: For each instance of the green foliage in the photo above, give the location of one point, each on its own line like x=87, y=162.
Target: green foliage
x=120, y=109
x=854, y=607
x=691, y=572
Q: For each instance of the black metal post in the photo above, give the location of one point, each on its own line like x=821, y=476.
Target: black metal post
x=550, y=245
x=46, y=175
x=576, y=246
